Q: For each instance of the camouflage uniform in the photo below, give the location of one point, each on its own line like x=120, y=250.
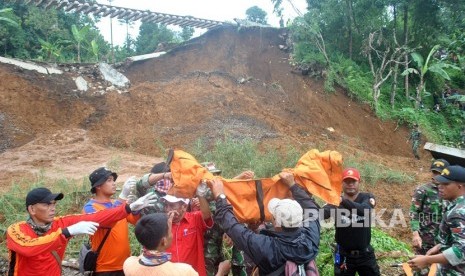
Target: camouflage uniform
x=213, y=243
x=142, y=188
x=415, y=138
x=213, y=249
x=241, y=264
x=452, y=238
x=426, y=215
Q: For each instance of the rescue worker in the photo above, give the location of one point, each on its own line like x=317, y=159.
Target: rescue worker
x=353, y=228
x=449, y=253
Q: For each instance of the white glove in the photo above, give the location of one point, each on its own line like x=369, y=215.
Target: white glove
x=148, y=200
x=202, y=189
x=83, y=227
x=128, y=187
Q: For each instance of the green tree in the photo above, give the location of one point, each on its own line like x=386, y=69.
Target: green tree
x=429, y=66
x=52, y=50
x=7, y=19
x=187, y=33
x=150, y=35
x=255, y=14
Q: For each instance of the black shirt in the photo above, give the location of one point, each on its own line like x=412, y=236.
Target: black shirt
x=352, y=221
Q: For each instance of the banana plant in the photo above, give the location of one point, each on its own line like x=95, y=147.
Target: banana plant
x=423, y=67
x=52, y=50
x=95, y=49
x=6, y=19
x=79, y=36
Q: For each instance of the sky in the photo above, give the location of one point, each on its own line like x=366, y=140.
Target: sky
x=220, y=10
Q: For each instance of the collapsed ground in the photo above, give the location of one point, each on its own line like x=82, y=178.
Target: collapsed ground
x=228, y=81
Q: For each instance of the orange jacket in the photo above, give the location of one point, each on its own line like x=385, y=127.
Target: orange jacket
x=320, y=173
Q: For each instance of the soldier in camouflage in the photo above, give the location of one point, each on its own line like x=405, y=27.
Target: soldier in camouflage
x=158, y=181
x=415, y=137
x=213, y=238
x=449, y=253
x=426, y=211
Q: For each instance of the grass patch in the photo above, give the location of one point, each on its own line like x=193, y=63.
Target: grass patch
x=372, y=173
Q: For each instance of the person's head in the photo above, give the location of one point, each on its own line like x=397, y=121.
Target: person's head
x=351, y=181
x=153, y=231
x=102, y=181
x=210, y=166
x=287, y=213
x=451, y=182
x=437, y=166
x=179, y=205
x=40, y=204
x=165, y=183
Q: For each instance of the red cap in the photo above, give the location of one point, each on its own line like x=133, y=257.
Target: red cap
x=351, y=173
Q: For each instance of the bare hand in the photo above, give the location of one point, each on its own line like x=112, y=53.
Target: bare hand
x=224, y=267
x=195, y=204
x=416, y=240
x=245, y=175
x=217, y=187
x=434, y=250
x=167, y=175
x=171, y=215
x=418, y=262
x=287, y=178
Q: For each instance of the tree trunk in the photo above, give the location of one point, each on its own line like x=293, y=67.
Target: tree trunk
x=394, y=86
x=406, y=79
x=349, y=26
x=79, y=52
x=419, y=96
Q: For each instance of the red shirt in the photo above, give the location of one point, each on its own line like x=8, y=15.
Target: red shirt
x=31, y=255
x=187, y=246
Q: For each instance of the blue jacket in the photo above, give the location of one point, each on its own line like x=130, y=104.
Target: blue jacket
x=270, y=250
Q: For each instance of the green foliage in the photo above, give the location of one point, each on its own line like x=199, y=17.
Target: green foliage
x=150, y=35
x=256, y=14
x=95, y=49
x=234, y=156
x=7, y=18
x=374, y=173
x=186, y=33
x=381, y=242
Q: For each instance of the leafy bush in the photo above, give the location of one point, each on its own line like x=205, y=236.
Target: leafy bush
x=234, y=156
x=381, y=242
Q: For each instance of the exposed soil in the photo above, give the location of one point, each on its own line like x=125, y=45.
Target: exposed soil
x=228, y=81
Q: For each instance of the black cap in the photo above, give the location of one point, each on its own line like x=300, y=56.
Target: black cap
x=438, y=165
x=41, y=195
x=99, y=176
x=450, y=174
x=160, y=168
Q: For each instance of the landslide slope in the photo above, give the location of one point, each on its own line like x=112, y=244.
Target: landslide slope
x=226, y=82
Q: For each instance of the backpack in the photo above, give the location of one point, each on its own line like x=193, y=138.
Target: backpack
x=88, y=258
x=292, y=269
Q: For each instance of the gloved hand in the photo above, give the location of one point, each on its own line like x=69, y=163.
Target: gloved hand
x=128, y=186
x=83, y=227
x=202, y=189
x=148, y=200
